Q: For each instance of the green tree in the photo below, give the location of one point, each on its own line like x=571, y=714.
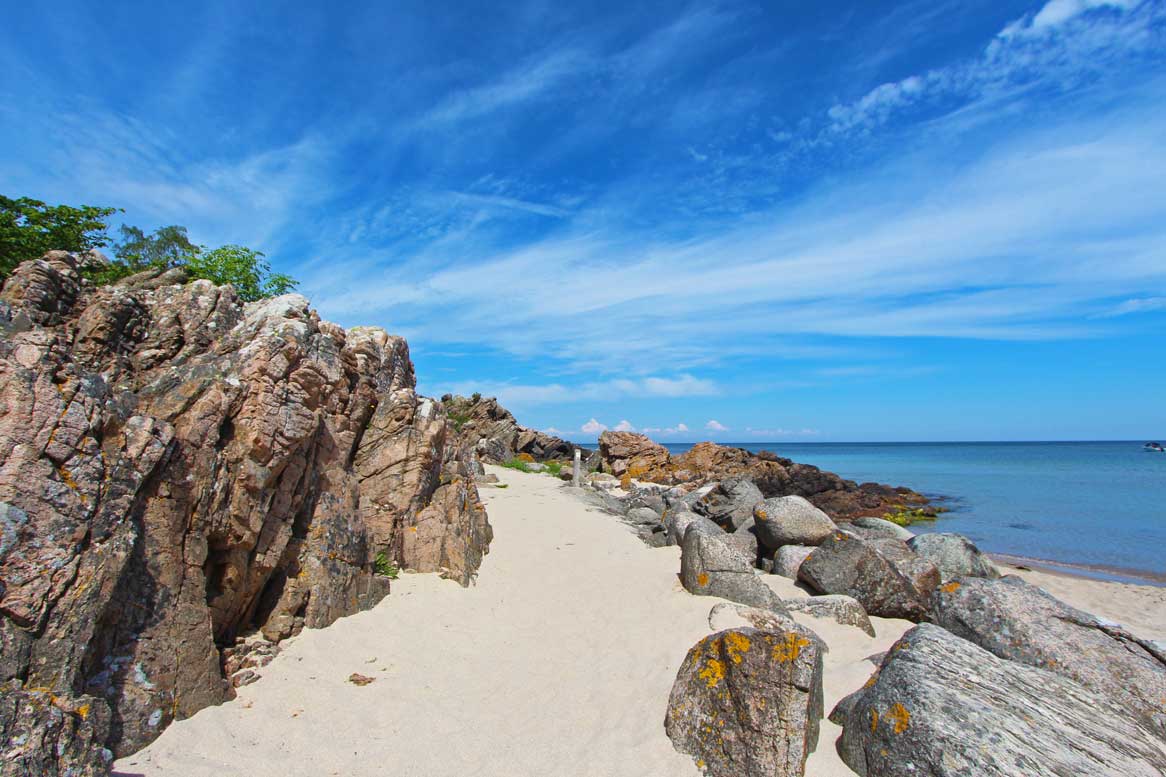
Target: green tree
x=243, y=268
x=29, y=228
x=165, y=247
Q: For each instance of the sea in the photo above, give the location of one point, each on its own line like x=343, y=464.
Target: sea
x=1092, y=508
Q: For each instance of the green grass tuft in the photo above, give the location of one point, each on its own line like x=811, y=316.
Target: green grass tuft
x=385, y=568
x=517, y=464
x=905, y=517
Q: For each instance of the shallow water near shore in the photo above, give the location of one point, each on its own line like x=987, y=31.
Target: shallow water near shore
x=1100, y=506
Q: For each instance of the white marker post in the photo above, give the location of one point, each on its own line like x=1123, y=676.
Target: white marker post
x=577, y=472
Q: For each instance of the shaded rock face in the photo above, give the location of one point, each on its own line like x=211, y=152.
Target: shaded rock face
x=710, y=566
x=774, y=476
x=178, y=469
x=941, y=706
x=1023, y=623
x=954, y=556
x=748, y=702
x=788, y=560
x=845, y=564
x=485, y=426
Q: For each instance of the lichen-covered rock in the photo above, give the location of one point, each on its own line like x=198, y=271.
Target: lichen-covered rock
x=677, y=520
x=944, y=707
x=839, y=608
x=747, y=702
x=924, y=575
x=711, y=567
x=44, y=734
x=845, y=564
x=788, y=560
x=730, y=503
x=954, y=556
x=1023, y=623
x=178, y=469
x=790, y=520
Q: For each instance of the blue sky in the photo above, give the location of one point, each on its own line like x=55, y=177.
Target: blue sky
x=731, y=221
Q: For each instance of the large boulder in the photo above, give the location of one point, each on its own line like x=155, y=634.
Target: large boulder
x=790, y=520
x=922, y=573
x=1023, y=623
x=634, y=455
x=845, y=564
x=954, y=556
x=839, y=608
x=483, y=425
x=711, y=567
x=944, y=707
x=178, y=468
x=676, y=522
x=747, y=702
x=730, y=503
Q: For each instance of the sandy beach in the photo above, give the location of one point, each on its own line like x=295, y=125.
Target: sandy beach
x=559, y=661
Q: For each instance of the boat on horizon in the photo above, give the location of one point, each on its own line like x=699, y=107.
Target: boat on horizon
x=1154, y=447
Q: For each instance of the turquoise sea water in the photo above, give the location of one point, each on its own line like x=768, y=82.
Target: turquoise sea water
x=1100, y=504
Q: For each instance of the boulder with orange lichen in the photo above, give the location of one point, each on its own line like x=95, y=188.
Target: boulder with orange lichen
x=845, y=564
x=711, y=565
x=940, y=706
x=747, y=702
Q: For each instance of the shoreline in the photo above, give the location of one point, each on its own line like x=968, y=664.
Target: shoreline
x=1095, y=572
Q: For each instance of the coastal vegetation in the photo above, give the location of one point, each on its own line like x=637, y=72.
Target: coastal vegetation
x=30, y=228
x=905, y=516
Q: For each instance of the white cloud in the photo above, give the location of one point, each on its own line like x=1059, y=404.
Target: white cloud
x=681, y=428
x=665, y=431
x=1143, y=305
x=716, y=426
x=552, y=430
x=773, y=434
x=1056, y=12
x=593, y=427
x=624, y=426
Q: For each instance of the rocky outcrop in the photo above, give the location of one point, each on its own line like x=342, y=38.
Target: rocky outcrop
x=482, y=425
x=706, y=462
x=1023, y=623
x=747, y=702
x=44, y=734
x=845, y=564
x=178, y=469
x=730, y=503
x=941, y=706
x=837, y=607
x=633, y=455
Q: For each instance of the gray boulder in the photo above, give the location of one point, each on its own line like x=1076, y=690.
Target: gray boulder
x=746, y=544
x=1023, y=623
x=839, y=608
x=790, y=520
x=789, y=558
x=644, y=516
x=941, y=706
x=954, y=555
x=845, y=564
x=748, y=702
x=677, y=520
x=922, y=573
x=730, y=503
x=711, y=567
x=879, y=528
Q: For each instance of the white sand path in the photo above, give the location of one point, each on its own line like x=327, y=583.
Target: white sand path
x=558, y=662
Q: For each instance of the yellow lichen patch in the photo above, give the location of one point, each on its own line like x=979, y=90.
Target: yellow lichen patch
x=950, y=588
x=760, y=515
x=412, y=528
x=83, y=711
x=900, y=718
x=736, y=644
x=874, y=678
x=874, y=720
x=702, y=579
x=713, y=672
x=789, y=647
